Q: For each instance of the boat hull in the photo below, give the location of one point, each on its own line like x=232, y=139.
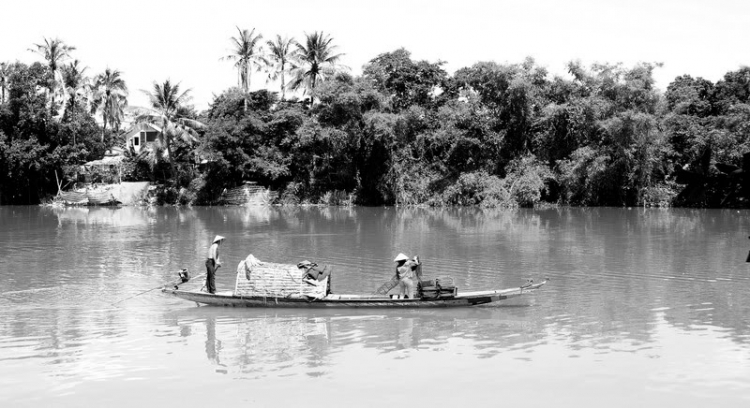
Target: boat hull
x=351, y=301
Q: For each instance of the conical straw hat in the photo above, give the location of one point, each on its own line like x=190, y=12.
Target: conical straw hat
x=401, y=257
x=218, y=238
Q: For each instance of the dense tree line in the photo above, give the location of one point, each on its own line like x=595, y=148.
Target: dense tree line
x=403, y=132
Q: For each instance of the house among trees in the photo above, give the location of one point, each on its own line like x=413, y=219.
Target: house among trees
x=141, y=135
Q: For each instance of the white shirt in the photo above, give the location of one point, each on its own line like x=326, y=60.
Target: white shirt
x=213, y=253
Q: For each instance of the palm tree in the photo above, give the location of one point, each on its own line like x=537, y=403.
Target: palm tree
x=246, y=52
x=281, y=60
x=55, y=52
x=318, y=61
x=168, y=112
x=5, y=71
x=110, y=97
x=152, y=156
x=76, y=86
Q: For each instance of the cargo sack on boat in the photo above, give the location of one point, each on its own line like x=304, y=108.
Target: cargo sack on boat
x=313, y=274
x=313, y=271
x=266, y=279
x=438, y=288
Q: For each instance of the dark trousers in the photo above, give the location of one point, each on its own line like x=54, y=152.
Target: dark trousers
x=211, y=275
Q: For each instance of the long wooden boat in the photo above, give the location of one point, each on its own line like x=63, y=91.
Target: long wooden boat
x=461, y=299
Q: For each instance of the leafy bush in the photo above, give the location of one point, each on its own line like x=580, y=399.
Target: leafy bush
x=478, y=188
x=337, y=198
x=408, y=182
x=292, y=194
x=527, y=178
x=166, y=195
x=186, y=196
x=659, y=196
x=583, y=176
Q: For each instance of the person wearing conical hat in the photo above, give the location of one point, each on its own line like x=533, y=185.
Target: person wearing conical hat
x=213, y=263
x=405, y=271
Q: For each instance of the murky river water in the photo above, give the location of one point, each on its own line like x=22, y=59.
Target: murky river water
x=646, y=308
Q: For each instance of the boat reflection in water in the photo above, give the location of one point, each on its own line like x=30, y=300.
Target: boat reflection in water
x=290, y=342
x=478, y=348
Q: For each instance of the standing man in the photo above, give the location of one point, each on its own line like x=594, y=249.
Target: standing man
x=212, y=264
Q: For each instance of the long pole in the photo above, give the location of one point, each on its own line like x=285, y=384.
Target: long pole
x=175, y=284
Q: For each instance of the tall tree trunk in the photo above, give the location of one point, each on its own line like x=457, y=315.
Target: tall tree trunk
x=171, y=162
x=104, y=128
x=169, y=150
x=52, y=103
x=245, y=87
x=283, y=86
x=312, y=88
x=75, y=130
x=52, y=90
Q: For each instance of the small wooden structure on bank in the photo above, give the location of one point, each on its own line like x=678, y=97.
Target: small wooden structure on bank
x=250, y=193
x=86, y=198
x=102, y=182
x=98, y=196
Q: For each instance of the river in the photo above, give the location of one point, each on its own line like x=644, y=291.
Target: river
x=646, y=307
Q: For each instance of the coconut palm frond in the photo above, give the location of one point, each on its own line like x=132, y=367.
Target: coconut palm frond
x=167, y=112
x=153, y=154
x=109, y=97
x=318, y=58
x=75, y=85
x=186, y=134
x=282, y=61
x=166, y=97
x=55, y=52
x=191, y=124
x=246, y=52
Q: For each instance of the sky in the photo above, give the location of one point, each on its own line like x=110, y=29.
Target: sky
x=184, y=41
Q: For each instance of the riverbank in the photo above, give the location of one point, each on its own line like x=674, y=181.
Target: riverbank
x=250, y=194
x=490, y=135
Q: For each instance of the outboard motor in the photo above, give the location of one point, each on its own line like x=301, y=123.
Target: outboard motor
x=184, y=275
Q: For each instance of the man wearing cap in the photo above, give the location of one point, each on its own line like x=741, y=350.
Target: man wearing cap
x=405, y=271
x=212, y=264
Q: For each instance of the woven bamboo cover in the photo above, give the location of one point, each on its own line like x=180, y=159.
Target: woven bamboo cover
x=275, y=280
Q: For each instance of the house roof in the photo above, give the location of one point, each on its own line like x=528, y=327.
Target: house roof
x=106, y=161
x=114, y=152
x=141, y=127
